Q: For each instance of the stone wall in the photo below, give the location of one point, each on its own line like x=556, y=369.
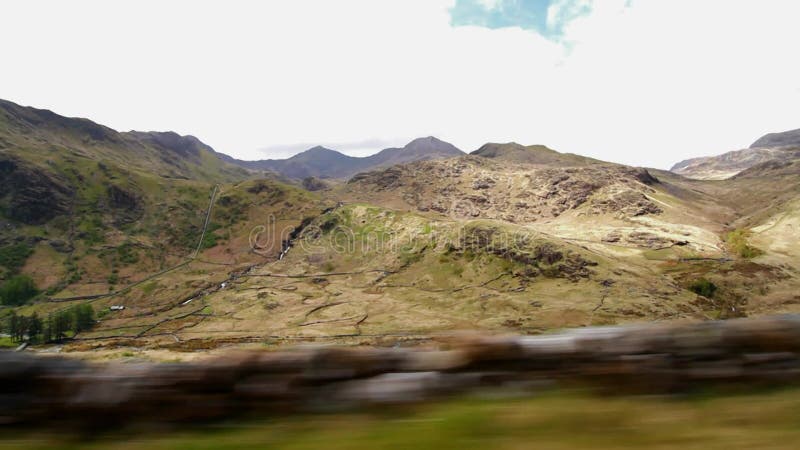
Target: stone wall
x=651, y=358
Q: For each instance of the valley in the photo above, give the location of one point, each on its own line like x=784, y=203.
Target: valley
x=180, y=250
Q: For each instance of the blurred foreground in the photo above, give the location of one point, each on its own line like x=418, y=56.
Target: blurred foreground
x=564, y=420
x=573, y=388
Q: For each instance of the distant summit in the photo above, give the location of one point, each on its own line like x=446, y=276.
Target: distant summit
x=786, y=138
x=769, y=149
x=531, y=154
x=321, y=162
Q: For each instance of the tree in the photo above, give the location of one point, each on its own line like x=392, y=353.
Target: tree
x=13, y=325
x=62, y=322
x=47, y=331
x=34, y=327
x=17, y=290
x=83, y=317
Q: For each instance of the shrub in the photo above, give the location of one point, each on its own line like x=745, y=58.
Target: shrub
x=127, y=254
x=17, y=290
x=13, y=256
x=703, y=287
x=737, y=241
x=210, y=239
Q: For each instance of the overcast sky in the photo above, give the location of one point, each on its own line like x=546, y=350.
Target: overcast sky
x=643, y=82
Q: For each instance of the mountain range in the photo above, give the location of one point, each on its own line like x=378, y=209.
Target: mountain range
x=176, y=246
x=321, y=162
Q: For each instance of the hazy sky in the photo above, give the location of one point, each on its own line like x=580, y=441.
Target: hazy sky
x=644, y=82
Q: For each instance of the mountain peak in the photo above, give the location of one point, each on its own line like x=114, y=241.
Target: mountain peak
x=319, y=148
x=430, y=145
x=782, y=139
x=429, y=140
x=531, y=154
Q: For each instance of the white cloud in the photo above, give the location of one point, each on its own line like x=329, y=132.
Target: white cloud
x=647, y=84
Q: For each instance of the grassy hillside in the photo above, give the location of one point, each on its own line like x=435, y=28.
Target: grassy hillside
x=514, y=238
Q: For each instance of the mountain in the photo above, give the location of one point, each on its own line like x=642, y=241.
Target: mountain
x=49, y=138
x=786, y=138
x=731, y=163
x=773, y=147
x=532, y=154
x=420, y=149
x=85, y=209
x=320, y=162
x=423, y=239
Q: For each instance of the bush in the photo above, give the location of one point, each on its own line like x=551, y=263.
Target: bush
x=210, y=238
x=127, y=254
x=737, y=241
x=703, y=287
x=13, y=257
x=17, y=290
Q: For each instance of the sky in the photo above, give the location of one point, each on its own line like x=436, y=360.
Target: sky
x=641, y=82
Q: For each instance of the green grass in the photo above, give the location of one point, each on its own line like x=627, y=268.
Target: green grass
x=737, y=241
x=149, y=287
x=555, y=420
x=6, y=342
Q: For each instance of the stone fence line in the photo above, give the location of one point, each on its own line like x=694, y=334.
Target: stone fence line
x=656, y=358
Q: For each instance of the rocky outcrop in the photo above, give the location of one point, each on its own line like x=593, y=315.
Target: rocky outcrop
x=471, y=186
x=33, y=195
x=125, y=204
x=644, y=359
x=314, y=184
x=540, y=258
x=624, y=203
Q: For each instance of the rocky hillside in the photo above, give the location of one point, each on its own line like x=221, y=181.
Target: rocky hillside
x=774, y=147
x=321, y=162
x=177, y=249
x=783, y=139
x=86, y=210
x=532, y=154
x=45, y=137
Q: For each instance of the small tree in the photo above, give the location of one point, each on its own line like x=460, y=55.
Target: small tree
x=17, y=290
x=13, y=325
x=34, y=327
x=84, y=317
x=62, y=322
x=47, y=329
